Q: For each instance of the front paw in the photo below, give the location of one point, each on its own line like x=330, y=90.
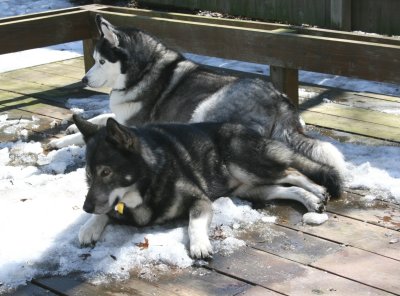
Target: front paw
x=201, y=249
x=89, y=235
x=72, y=129
x=315, y=204
x=53, y=145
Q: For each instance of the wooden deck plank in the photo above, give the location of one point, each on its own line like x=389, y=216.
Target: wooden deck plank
x=74, y=287
x=362, y=266
x=75, y=62
x=318, y=252
x=350, y=232
x=376, y=211
x=201, y=282
x=31, y=290
x=368, y=103
x=352, y=126
x=59, y=95
x=54, y=69
x=379, y=96
x=285, y=276
x=358, y=114
x=43, y=77
x=258, y=291
x=290, y=244
x=36, y=106
x=187, y=282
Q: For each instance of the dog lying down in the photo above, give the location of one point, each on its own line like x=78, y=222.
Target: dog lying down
x=166, y=171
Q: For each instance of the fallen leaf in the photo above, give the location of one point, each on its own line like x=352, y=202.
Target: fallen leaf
x=84, y=256
x=144, y=245
x=112, y=256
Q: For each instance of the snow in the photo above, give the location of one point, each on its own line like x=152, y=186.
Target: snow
x=315, y=218
x=42, y=194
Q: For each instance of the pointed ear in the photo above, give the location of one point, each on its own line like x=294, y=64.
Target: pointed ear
x=122, y=136
x=87, y=128
x=107, y=31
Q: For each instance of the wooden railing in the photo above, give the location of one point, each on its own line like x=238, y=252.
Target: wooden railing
x=286, y=49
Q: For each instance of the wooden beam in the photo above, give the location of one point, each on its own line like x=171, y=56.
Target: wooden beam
x=247, y=24
x=311, y=53
x=45, y=30
x=287, y=81
x=38, y=14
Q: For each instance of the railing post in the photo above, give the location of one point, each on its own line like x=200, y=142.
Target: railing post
x=287, y=81
x=88, y=47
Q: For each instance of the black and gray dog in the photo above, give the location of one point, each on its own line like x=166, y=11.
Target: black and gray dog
x=167, y=171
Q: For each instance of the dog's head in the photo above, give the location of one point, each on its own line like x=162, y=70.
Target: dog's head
x=113, y=164
x=120, y=55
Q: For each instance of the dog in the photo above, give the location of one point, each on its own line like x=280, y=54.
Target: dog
x=152, y=83
x=163, y=172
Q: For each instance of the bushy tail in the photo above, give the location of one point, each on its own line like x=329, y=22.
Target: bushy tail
x=319, y=151
x=324, y=175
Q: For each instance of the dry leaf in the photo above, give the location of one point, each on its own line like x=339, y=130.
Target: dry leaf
x=84, y=256
x=144, y=245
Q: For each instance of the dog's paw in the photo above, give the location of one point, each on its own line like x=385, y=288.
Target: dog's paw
x=72, y=129
x=89, y=234
x=315, y=204
x=201, y=249
x=53, y=145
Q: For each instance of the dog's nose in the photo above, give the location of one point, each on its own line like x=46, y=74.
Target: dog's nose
x=85, y=80
x=88, y=207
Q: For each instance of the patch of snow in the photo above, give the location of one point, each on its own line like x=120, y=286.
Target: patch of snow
x=315, y=218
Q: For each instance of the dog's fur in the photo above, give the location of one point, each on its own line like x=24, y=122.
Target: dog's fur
x=167, y=171
x=152, y=83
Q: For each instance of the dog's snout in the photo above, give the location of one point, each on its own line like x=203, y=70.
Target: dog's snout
x=88, y=207
x=85, y=80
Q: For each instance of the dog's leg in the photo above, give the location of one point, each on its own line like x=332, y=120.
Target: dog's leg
x=91, y=231
x=199, y=222
x=294, y=177
x=270, y=192
x=99, y=120
x=74, y=139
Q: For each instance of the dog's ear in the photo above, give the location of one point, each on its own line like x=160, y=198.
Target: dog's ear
x=87, y=128
x=122, y=136
x=107, y=30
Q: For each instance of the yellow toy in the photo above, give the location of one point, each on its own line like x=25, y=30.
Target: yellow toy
x=120, y=208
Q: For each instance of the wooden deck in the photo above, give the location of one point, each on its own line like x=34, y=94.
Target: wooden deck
x=354, y=253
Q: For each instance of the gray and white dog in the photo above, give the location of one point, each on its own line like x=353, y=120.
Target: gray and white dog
x=153, y=83
x=168, y=171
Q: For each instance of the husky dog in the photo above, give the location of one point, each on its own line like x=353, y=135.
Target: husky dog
x=152, y=83
x=167, y=171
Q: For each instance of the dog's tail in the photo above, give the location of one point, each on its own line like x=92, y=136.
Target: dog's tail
x=322, y=174
x=319, y=151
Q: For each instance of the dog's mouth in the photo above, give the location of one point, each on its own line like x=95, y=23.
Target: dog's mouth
x=114, y=204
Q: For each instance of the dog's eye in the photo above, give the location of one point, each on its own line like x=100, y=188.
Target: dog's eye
x=102, y=62
x=105, y=172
